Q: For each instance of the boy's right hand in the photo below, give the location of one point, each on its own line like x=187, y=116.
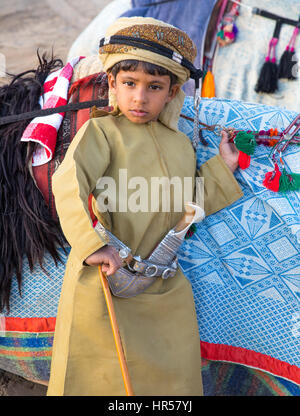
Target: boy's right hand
x=108, y=257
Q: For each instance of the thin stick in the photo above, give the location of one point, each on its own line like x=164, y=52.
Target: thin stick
x=116, y=334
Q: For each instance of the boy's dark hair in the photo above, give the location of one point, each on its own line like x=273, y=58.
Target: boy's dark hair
x=151, y=69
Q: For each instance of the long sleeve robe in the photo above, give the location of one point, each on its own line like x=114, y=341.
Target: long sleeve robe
x=158, y=328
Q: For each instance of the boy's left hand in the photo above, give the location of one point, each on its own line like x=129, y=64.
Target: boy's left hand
x=228, y=152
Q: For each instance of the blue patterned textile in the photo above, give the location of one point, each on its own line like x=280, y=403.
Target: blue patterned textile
x=244, y=262
x=40, y=292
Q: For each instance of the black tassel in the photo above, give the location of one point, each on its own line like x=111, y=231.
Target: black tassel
x=286, y=65
x=268, y=78
x=288, y=61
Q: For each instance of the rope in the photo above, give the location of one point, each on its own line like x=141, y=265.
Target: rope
x=49, y=111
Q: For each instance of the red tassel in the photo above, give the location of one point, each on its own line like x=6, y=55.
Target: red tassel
x=271, y=180
x=244, y=160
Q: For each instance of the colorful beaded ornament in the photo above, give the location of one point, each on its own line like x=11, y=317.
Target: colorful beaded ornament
x=246, y=142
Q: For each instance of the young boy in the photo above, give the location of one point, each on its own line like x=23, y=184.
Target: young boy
x=158, y=327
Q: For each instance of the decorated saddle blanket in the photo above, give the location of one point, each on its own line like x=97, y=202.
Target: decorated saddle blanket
x=243, y=264
x=244, y=261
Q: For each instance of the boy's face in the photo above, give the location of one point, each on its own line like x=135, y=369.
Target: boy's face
x=140, y=96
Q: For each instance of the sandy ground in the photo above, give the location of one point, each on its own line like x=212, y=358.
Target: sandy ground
x=26, y=25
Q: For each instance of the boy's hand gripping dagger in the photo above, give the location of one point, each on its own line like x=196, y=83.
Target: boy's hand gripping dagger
x=139, y=274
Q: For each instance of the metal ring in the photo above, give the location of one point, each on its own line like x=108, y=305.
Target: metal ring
x=167, y=273
x=217, y=130
x=151, y=274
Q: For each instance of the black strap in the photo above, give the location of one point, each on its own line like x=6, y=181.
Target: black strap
x=146, y=44
x=49, y=111
x=268, y=15
x=277, y=29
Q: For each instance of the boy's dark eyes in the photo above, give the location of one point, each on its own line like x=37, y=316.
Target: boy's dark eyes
x=129, y=83
x=155, y=87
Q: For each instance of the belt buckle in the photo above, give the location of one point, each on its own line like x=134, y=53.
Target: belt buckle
x=138, y=267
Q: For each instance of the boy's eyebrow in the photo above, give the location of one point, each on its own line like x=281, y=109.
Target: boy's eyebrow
x=129, y=77
x=156, y=81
